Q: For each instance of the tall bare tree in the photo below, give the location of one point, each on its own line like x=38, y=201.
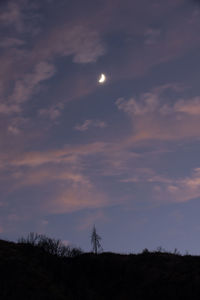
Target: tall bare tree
x=95, y=241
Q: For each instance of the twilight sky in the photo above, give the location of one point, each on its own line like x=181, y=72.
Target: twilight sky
x=124, y=155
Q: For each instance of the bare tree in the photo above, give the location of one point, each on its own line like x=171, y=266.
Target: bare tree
x=95, y=241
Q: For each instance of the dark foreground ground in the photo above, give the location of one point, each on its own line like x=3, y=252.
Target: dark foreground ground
x=27, y=272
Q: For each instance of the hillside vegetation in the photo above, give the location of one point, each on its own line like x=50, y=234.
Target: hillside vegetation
x=30, y=272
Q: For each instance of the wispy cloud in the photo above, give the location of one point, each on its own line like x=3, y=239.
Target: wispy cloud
x=9, y=109
x=152, y=36
x=13, y=130
x=74, y=199
x=146, y=175
x=68, y=154
x=83, y=43
x=91, y=219
x=183, y=189
x=72, y=190
x=150, y=114
x=12, y=14
x=53, y=112
x=25, y=87
x=90, y=123
x=166, y=189
x=11, y=42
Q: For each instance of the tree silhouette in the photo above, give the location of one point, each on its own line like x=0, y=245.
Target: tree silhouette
x=95, y=241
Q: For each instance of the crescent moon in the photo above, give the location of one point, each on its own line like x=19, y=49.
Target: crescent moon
x=102, y=78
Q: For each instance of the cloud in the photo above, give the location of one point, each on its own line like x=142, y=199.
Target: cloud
x=91, y=219
x=83, y=43
x=60, y=173
x=87, y=46
x=26, y=87
x=149, y=102
x=146, y=175
x=47, y=174
x=77, y=39
x=168, y=189
x=12, y=15
x=11, y=42
x=184, y=189
x=69, y=166
x=114, y=157
x=132, y=106
x=71, y=190
x=176, y=38
x=155, y=117
x=90, y=123
x=84, y=126
x=20, y=17
x=189, y=106
x=53, y=112
x=152, y=36
x=16, y=125
x=9, y=109
x=75, y=199
x=13, y=130
x=68, y=154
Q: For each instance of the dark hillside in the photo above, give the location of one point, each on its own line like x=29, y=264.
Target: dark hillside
x=27, y=272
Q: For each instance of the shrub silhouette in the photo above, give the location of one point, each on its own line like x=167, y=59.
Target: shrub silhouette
x=50, y=245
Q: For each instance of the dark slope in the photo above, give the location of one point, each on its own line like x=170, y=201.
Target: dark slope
x=27, y=272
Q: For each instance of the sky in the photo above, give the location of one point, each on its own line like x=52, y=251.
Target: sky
x=123, y=155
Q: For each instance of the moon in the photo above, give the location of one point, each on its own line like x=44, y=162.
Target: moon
x=102, y=78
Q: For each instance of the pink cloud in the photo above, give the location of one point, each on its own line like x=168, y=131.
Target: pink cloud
x=184, y=189
x=153, y=119
x=43, y=175
x=72, y=191
x=165, y=189
x=73, y=199
x=69, y=154
x=9, y=109
x=190, y=106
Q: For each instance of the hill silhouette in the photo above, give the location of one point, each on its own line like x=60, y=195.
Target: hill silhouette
x=29, y=272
